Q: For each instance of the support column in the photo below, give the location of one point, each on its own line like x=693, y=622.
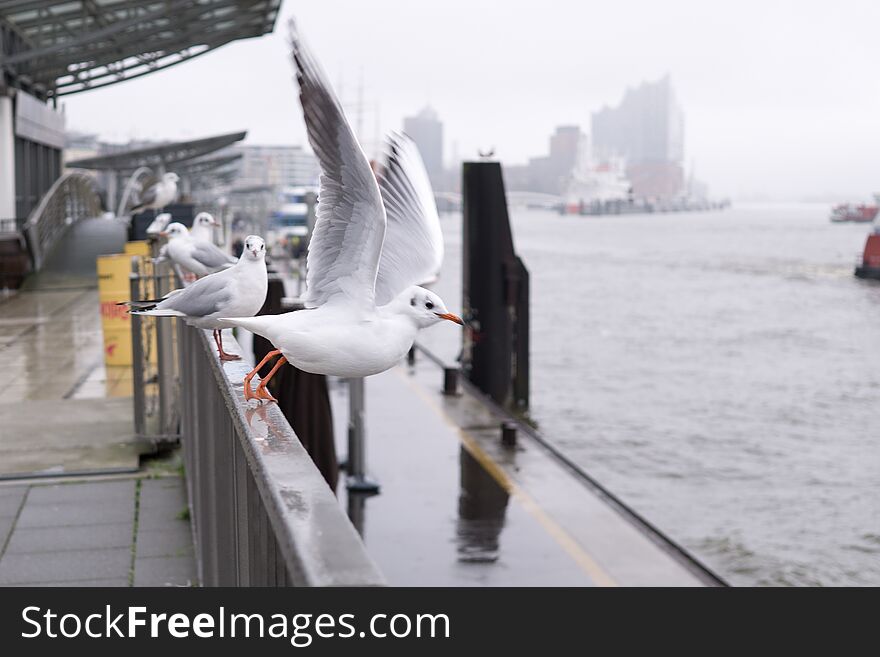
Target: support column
x=7, y=158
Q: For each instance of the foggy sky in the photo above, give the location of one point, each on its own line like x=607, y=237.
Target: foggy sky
x=781, y=99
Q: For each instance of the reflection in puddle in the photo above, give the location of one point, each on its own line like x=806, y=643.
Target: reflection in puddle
x=482, y=504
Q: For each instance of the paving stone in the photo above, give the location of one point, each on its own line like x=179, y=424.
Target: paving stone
x=9, y=504
x=12, y=491
x=5, y=527
x=165, y=571
x=176, y=542
x=55, y=539
x=100, y=491
x=65, y=515
x=115, y=582
x=161, y=503
x=71, y=565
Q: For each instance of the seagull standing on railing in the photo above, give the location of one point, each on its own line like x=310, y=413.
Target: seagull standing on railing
x=198, y=256
x=239, y=290
x=363, y=309
x=158, y=195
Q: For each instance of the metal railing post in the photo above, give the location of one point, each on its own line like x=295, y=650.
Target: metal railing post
x=356, y=466
x=137, y=354
x=165, y=357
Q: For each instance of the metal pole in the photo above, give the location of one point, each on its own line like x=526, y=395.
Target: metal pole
x=165, y=357
x=357, y=480
x=137, y=353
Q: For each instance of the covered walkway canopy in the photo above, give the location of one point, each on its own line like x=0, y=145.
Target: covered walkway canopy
x=160, y=155
x=55, y=48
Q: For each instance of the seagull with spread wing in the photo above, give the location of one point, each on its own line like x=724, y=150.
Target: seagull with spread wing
x=372, y=243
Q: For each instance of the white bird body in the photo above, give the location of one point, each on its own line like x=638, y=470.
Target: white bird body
x=334, y=340
x=370, y=245
x=158, y=195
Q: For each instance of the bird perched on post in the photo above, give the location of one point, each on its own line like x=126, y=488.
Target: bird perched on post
x=239, y=290
x=159, y=194
x=365, y=309
x=195, y=255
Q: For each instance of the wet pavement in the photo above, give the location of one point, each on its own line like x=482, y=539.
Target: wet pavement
x=117, y=532
x=62, y=411
x=458, y=508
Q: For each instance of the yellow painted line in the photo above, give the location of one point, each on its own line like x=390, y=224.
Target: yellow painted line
x=574, y=549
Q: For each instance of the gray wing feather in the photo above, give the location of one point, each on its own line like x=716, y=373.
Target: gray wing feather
x=413, y=249
x=209, y=255
x=149, y=195
x=346, y=243
x=205, y=297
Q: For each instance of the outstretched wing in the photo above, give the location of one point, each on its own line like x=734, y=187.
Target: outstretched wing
x=413, y=249
x=346, y=243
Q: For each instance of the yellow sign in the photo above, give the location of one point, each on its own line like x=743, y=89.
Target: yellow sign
x=113, y=287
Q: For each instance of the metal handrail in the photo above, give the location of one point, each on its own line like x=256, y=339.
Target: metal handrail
x=130, y=186
x=72, y=197
x=262, y=513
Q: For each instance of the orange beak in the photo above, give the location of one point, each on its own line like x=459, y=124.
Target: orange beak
x=164, y=233
x=451, y=318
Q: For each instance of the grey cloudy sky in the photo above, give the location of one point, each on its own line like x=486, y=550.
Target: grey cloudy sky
x=781, y=98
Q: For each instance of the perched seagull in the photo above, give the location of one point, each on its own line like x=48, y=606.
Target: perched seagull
x=159, y=224
x=197, y=256
x=158, y=195
x=203, y=227
x=356, y=322
x=239, y=290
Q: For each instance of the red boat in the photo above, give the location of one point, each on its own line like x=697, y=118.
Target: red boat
x=857, y=213
x=870, y=265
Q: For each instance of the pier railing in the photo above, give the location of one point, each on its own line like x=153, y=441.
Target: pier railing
x=262, y=513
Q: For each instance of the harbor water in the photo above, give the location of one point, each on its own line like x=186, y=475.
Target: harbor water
x=719, y=371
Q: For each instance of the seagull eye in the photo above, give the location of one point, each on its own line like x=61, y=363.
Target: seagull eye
x=412, y=301
x=429, y=305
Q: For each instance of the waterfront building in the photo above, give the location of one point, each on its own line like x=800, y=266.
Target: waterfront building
x=426, y=130
x=647, y=130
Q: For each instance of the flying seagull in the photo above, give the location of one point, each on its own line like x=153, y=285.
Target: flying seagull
x=159, y=194
x=356, y=322
x=239, y=290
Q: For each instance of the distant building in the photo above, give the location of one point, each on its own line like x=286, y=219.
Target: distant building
x=426, y=131
x=552, y=173
x=647, y=130
x=275, y=166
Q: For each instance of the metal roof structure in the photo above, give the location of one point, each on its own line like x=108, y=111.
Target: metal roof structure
x=58, y=47
x=206, y=165
x=162, y=155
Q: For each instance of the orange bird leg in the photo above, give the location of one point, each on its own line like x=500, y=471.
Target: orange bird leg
x=261, y=392
x=248, y=394
x=218, y=338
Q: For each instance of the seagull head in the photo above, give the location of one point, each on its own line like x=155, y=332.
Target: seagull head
x=254, y=248
x=171, y=177
x=426, y=308
x=174, y=230
x=205, y=219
